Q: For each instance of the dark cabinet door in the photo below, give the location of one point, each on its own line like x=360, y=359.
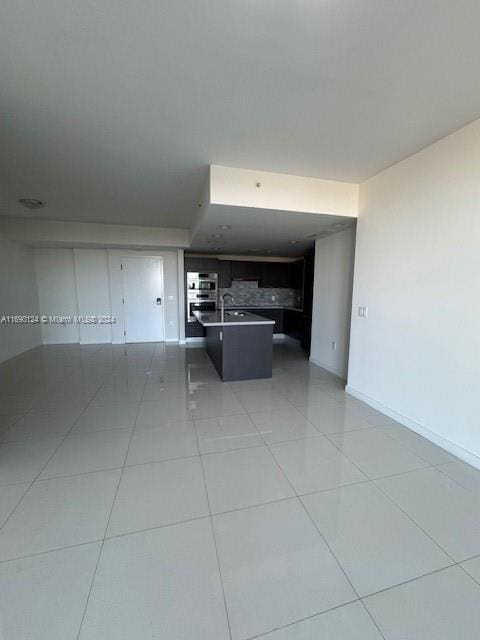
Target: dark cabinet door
x=224, y=274
x=285, y=275
x=296, y=274
x=239, y=269
x=271, y=314
x=275, y=275
x=269, y=275
x=246, y=269
x=208, y=265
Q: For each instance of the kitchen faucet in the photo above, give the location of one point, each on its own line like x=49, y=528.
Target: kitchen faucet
x=222, y=305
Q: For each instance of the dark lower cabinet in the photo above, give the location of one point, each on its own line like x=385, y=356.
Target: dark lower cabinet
x=194, y=330
x=271, y=314
x=241, y=352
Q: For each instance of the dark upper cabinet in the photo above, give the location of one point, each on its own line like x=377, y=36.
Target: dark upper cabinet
x=208, y=265
x=277, y=274
x=296, y=274
x=269, y=275
x=224, y=274
x=246, y=269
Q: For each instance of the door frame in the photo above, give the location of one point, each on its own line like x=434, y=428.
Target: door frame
x=126, y=256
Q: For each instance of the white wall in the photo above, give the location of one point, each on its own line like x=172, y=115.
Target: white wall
x=57, y=293
x=237, y=187
x=93, y=293
x=18, y=296
x=58, y=233
x=417, y=268
x=332, y=297
x=81, y=282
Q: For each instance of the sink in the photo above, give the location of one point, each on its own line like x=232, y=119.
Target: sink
x=235, y=313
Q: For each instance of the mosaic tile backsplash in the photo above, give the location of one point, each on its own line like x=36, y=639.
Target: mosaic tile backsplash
x=248, y=293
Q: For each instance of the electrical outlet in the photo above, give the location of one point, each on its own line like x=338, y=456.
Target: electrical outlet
x=334, y=345
x=273, y=298
x=363, y=312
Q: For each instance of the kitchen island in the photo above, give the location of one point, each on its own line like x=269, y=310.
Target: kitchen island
x=240, y=344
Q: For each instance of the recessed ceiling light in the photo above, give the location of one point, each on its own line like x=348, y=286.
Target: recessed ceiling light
x=224, y=226
x=293, y=241
x=217, y=235
x=31, y=203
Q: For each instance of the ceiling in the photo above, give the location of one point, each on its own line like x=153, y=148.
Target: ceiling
x=263, y=231
x=112, y=111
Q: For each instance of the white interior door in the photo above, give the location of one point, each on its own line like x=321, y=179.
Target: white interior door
x=143, y=299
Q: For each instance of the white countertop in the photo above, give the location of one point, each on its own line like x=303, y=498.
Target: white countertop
x=215, y=320
x=265, y=306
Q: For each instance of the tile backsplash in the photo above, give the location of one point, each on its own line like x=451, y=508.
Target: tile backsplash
x=248, y=293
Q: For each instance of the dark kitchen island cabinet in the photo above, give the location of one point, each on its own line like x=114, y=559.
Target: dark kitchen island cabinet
x=240, y=347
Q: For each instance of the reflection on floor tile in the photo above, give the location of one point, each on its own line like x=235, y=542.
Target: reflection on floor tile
x=333, y=417
x=243, y=478
x=377, y=454
x=261, y=399
x=420, y=446
x=314, y=464
x=374, y=541
x=227, y=433
x=281, y=572
x=445, y=510
x=441, y=606
x=283, y=424
x=135, y=445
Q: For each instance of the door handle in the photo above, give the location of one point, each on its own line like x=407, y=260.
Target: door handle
x=159, y=301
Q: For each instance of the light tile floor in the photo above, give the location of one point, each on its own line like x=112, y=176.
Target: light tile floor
x=140, y=497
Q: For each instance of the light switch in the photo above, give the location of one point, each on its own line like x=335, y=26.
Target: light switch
x=363, y=312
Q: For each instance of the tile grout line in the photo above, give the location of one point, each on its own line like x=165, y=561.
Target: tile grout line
x=30, y=485
x=322, y=537
x=392, y=501
x=291, y=624
x=100, y=553
x=388, y=497
x=211, y=515
x=298, y=498
x=214, y=537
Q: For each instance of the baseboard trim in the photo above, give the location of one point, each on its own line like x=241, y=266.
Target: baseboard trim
x=329, y=368
x=196, y=341
x=455, y=449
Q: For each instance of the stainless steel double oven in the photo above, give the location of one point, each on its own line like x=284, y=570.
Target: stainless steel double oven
x=202, y=293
